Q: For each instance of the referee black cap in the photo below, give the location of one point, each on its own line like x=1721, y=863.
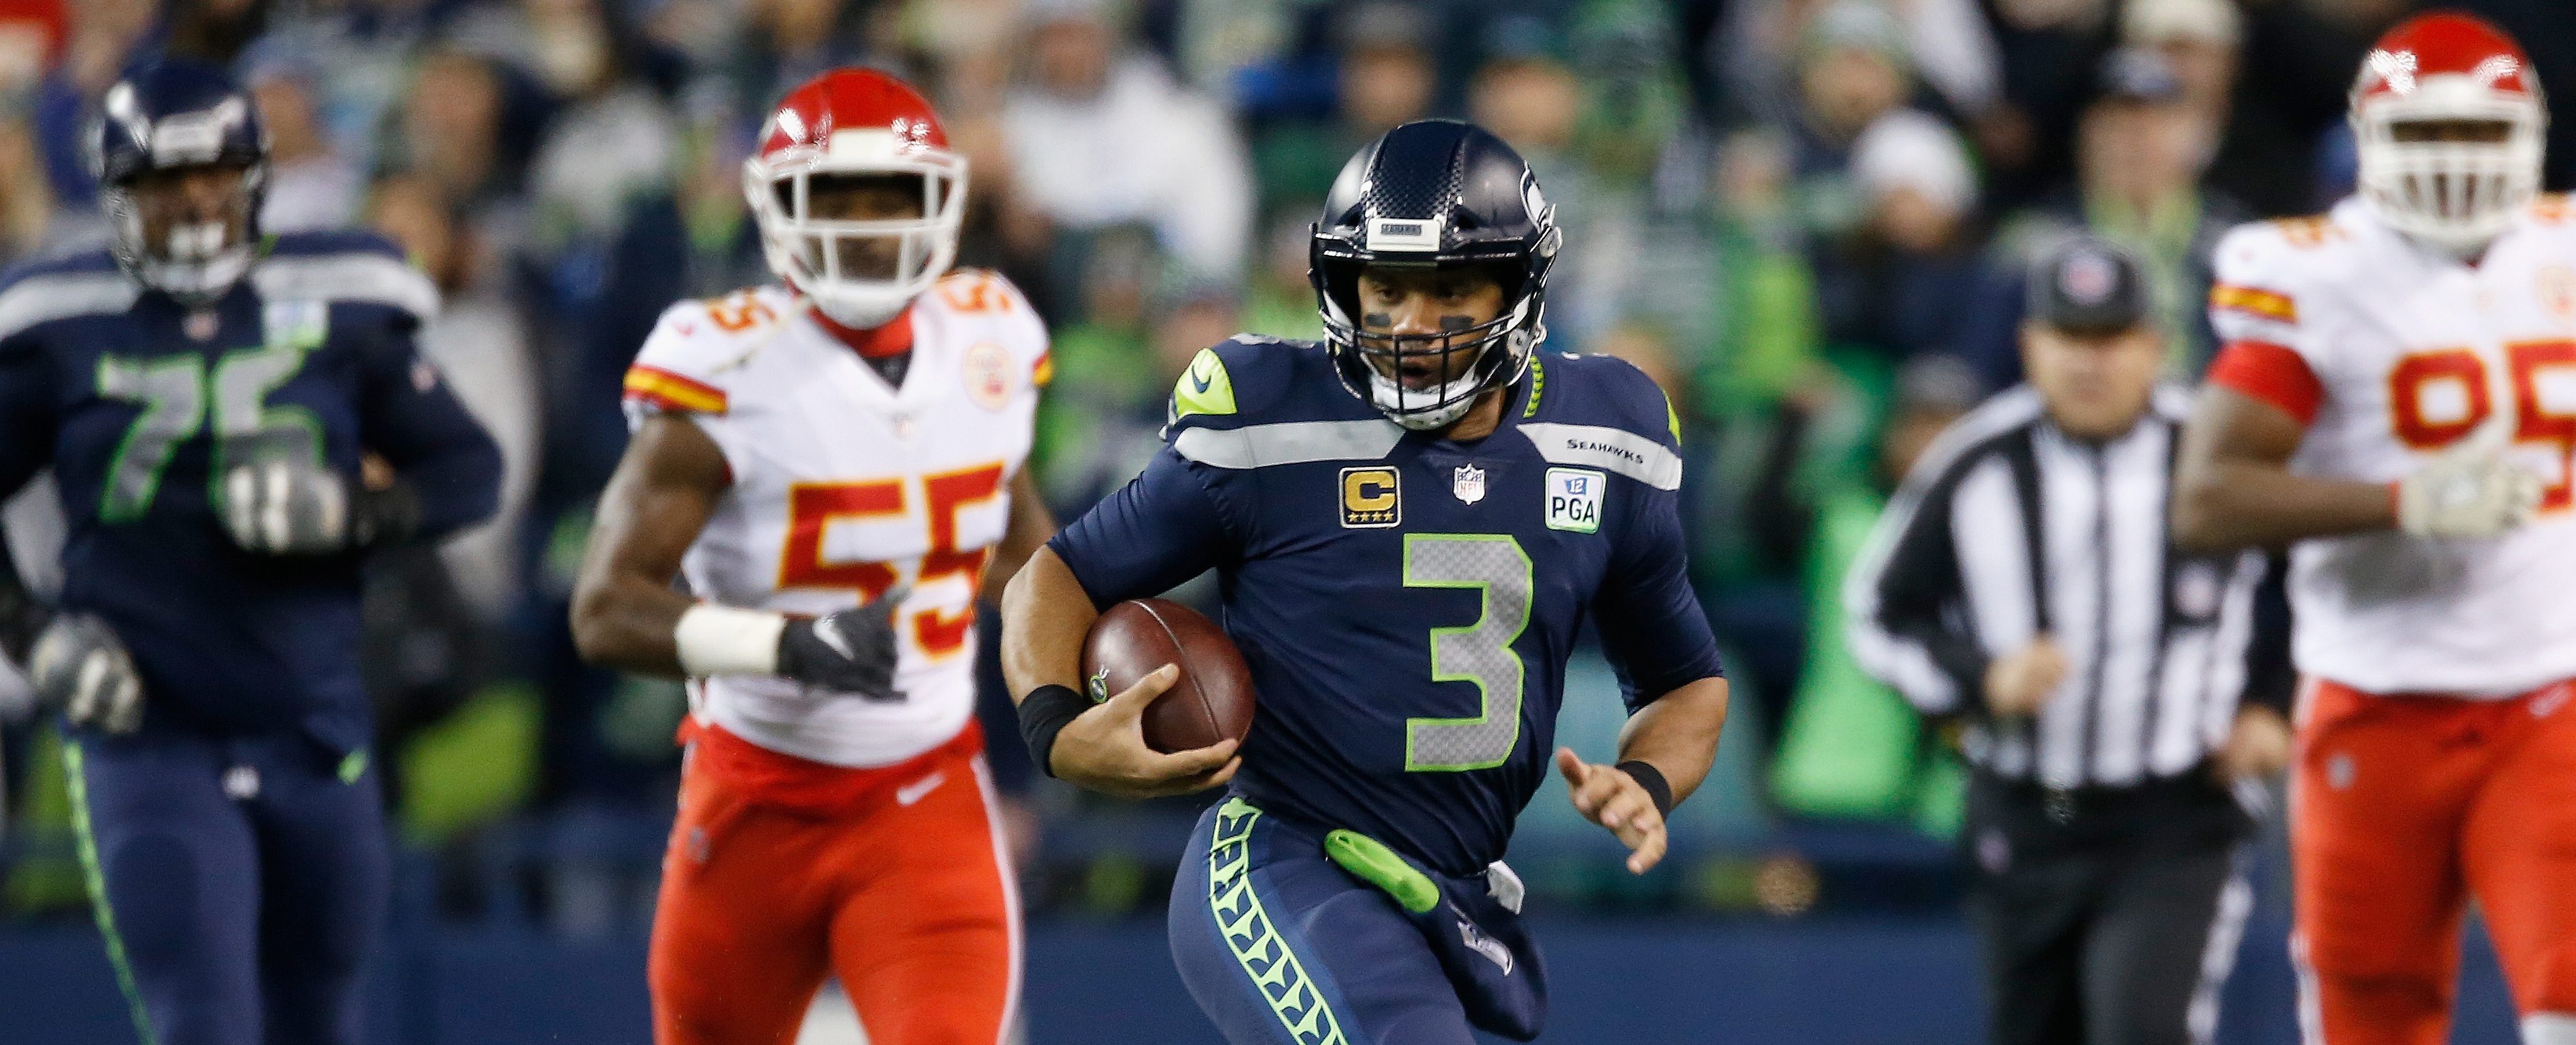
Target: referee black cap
x=2088, y=286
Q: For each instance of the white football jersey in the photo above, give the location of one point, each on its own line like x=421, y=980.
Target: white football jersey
x=845, y=487
x=2414, y=351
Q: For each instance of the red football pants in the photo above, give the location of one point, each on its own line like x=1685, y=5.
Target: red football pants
x=906, y=897
x=2401, y=809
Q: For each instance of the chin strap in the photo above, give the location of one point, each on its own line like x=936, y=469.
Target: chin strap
x=2468, y=248
x=1430, y=420
x=850, y=322
x=2465, y=251
x=1519, y=345
x=893, y=337
x=197, y=282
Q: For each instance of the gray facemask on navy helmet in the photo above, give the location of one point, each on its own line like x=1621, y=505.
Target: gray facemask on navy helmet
x=1434, y=194
x=170, y=115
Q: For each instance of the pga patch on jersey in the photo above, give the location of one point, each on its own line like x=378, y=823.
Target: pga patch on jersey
x=1574, y=499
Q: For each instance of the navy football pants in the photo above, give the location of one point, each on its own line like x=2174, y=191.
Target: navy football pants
x=238, y=882
x=1281, y=947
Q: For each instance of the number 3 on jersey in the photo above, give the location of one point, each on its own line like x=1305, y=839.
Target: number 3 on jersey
x=813, y=507
x=1481, y=653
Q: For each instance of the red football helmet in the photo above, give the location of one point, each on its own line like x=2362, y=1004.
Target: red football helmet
x=855, y=123
x=2449, y=124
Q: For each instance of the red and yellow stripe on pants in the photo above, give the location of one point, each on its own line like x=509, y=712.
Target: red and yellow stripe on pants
x=781, y=871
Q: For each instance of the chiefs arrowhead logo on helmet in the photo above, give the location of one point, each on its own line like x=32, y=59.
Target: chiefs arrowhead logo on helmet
x=857, y=195
x=2449, y=123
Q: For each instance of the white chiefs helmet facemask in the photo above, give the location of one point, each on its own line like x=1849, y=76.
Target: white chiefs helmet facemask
x=2449, y=123
x=855, y=123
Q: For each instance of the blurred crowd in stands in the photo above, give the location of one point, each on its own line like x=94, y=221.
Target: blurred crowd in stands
x=1808, y=219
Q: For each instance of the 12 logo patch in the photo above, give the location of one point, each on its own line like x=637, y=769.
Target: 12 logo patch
x=1574, y=499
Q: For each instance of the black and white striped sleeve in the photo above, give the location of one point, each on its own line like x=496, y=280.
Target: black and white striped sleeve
x=1945, y=578
x=1904, y=604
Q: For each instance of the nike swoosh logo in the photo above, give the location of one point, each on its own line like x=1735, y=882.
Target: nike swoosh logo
x=1200, y=382
x=918, y=789
x=829, y=631
x=2549, y=704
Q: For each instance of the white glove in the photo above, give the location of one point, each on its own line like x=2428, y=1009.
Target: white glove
x=279, y=501
x=2469, y=491
x=80, y=666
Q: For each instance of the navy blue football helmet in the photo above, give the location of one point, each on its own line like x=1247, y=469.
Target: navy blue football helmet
x=171, y=115
x=1434, y=194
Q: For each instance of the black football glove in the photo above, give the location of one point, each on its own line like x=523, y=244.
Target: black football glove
x=80, y=666
x=851, y=651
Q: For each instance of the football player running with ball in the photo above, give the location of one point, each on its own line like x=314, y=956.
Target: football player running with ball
x=1410, y=524
x=834, y=467
x=2392, y=404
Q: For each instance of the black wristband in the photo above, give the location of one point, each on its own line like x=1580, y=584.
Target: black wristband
x=1652, y=779
x=1043, y=714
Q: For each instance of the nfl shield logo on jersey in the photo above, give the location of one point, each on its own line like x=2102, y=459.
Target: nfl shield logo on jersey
x=1468, y=483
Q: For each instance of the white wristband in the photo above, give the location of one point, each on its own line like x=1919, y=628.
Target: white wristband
x=725, y=640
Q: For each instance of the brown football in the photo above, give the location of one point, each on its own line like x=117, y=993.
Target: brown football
x=1211, y=701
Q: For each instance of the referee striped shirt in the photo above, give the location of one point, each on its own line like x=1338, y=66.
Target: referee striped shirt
x=2009, y=528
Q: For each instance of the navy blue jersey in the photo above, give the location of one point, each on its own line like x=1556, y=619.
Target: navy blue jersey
x=1406, y=603
x=130, y=398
